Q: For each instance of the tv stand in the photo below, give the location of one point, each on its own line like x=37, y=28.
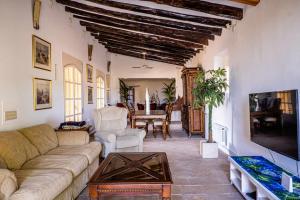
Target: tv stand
x=257, y=178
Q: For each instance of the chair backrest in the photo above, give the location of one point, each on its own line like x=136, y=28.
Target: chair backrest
x=153, y=106
x=141, y=106
x=169, y=109
x=110, y=118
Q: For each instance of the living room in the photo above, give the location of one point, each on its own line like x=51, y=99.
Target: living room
x=258, y=48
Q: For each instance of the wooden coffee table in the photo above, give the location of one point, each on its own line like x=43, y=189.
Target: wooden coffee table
x=133, y=174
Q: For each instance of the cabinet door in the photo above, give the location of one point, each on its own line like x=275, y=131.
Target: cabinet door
x=196, y=120
x=191, y=86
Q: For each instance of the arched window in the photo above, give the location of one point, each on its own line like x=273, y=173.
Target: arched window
x=73, y=93
x=100, y=92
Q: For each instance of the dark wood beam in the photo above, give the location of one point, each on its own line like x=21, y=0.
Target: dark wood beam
x=150, y=29
x=249, y=2
x=162, y=13
x=109, y=41
x=142, y=19
x=206, y=7
x=147, y=51
x=146, y=57
x=139, y=36
x=103, y=36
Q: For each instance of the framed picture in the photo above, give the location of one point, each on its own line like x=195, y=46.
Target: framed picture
x=90, y=95
x=89, y=73
x=41, y=53
x=42, y=93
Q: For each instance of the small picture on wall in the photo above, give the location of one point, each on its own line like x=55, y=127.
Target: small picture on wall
x=41, y=53
x=42, y=93
x=89, y=73
x=90, y=95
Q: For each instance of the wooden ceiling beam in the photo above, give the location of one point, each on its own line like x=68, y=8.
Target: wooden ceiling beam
x=146, y=57
x=150, y=29
x=205, y=7
x=138, y=18
x=139, y=36
x=148, y=51
x=104, y=36
x=110, y=41
x=249, y=2
x=162, y=13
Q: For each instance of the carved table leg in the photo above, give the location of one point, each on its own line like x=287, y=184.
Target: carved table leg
x=164, y=129
x=93, y=190
x=166, y=192
x=133, y=125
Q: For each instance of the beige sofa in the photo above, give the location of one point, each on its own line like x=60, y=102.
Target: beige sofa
x=37, y=163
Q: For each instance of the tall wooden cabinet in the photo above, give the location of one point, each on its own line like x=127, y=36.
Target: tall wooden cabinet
x=192, y=118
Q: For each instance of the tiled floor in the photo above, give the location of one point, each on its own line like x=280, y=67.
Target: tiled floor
x=194, y=178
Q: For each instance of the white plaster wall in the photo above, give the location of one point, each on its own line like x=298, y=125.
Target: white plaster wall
x=263, y=55
x=121, y=68
x=16, y=70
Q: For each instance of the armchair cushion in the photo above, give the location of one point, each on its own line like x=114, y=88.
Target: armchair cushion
x=43, y=137
x=15, y=149
x=73, y=163
x=90, y=151
x=37, y=184
x=72, y=137
x=8, y=183
x=127, y=141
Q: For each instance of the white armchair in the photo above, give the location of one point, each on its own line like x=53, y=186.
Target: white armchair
x=111, y=126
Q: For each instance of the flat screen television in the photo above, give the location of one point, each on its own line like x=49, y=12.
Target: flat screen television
x=274, y=121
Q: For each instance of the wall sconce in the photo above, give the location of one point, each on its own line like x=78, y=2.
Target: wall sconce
x=36, y=14
x=90, y=51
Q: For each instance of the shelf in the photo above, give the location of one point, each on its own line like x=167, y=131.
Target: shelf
x=236, y=173
x=237, y=183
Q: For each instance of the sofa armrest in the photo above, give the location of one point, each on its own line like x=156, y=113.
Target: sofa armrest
x=141, y=133
x=8, y=183
x=72, y=137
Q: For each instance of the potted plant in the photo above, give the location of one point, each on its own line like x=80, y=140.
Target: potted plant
x=124, y=92
x=210, y=90
x=169, y=92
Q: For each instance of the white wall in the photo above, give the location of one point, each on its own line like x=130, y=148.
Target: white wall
x=264, y=55
x=121, y=68
x=16, y=70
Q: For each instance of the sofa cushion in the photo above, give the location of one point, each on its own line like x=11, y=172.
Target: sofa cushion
x=127, y=141
x=8, y=183
x=15, y=149
x=43, y=184
x=91, y=151
x=43, y=137
x=74, y=163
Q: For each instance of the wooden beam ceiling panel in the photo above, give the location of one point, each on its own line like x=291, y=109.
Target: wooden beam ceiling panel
x=162, y=13
x=146, y=57
x=167, y=46
x=148, y=20
x=249, y=2
x=147, y=51
x=107, y=40
x=205, y=7
x=139, y=36
x=138, y=18
x=150, y=29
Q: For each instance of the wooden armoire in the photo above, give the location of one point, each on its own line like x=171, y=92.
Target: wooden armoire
x=192, y=118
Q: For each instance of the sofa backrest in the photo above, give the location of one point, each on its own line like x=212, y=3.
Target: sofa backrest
x=15, y=149
x=110, y=118
x=43, y=137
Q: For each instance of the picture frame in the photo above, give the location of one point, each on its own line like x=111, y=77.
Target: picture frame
x=90, y=95
x=41, y=53
x=42, y=94
x=89, y=73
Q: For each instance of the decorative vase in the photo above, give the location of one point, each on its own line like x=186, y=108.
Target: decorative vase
x=147, y=102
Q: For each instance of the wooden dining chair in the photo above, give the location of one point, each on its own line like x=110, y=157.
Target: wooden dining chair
x=158, y=124
x=141, y=124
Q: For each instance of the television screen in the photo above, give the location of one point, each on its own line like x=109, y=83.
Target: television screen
x=274, y=121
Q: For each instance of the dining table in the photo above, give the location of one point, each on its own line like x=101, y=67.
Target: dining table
x=152, y=115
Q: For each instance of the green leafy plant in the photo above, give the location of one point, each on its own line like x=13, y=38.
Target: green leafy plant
x=124, y=91
x=210, y=90
x=169, y=91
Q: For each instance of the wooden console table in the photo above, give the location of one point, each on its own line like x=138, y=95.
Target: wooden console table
x=131, y=174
